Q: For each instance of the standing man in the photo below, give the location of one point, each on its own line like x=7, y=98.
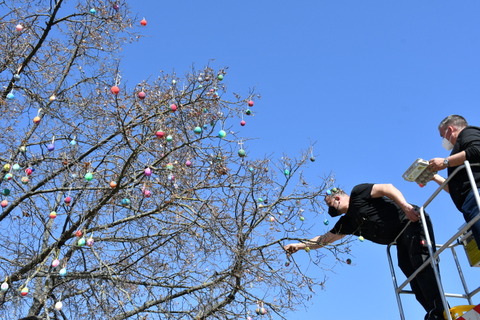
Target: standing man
x=379, y=212
x=464, y=141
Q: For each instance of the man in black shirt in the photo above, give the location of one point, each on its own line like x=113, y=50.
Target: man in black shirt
x=464, y=141
x=379, y=212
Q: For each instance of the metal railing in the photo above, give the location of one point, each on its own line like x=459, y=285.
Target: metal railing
x=433, y=259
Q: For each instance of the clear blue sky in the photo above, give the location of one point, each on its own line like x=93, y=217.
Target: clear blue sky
x=368, y=81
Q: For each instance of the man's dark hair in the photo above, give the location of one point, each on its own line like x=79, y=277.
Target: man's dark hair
x=453, y=120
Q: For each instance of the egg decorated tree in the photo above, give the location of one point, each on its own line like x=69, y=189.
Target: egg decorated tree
x=146, y=199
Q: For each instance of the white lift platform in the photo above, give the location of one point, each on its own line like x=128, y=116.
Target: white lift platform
x=461, y=238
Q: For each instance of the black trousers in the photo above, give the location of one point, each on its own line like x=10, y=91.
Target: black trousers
x=412, y=252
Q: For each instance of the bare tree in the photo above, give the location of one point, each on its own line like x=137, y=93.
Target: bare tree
x=134, y=203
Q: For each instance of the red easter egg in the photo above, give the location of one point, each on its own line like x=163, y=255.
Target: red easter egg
x=250, y=103
x=143, y=22
x=67, y=200
x=36, y=119
x=115, y=89
x=4, y=203
x=19, y=27
x=173, y=107
x=113, y=184
x=243, y=122
x=78, y=233
x=160, y=134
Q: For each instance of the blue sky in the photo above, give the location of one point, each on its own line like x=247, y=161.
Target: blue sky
x=366, y=81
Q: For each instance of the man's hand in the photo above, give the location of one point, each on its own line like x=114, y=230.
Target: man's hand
x=436, y=164
x=411, y=213
x=294, y=247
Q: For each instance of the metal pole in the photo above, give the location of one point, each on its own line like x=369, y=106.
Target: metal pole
x=433, y=262
x=394, y=279
x=462, y=277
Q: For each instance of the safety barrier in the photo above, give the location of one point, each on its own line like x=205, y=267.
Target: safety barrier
x=433, y=259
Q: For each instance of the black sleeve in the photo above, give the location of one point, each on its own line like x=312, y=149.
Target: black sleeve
x=343, y=226
x=471, y=144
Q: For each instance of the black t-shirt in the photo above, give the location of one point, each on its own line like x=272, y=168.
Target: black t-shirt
x=459, y=186
x=377, y=219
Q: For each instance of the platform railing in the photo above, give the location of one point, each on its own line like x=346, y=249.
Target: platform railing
x=433, y=259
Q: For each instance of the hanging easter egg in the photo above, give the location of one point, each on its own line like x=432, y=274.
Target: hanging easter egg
x=307, y=249
x=93, y=11
x=243, y=123
x=16, y=167
x=78, y=233
x=50, y=147
x=169, y=166
x=52, y=98
x=326, y=222
x=81, y=242
x=28, y=171
x=73, y=142
x=115, y=90
x=271, y=219
x=88, y=176
x=171, y=177
x=141, y=95
x=55, y=263
x=250, y=103
x=174, y=81
x=125, y=202
x=52, y=215
x=146, y=193
x=169, y=138
x=160, y=134
x=62, y=272
x=260, y=199
x=16, y=77
x=173, y=107
x=37, y=119
x=361, y=238
x=263, y=311
x=19, y=27
x=22, y=149
x=286, y=172
x=4, y=286
x=8, y=176
x=287, y=264
x=10, y=96
x=250, y=169
x=220, y=77
x=6, y=192
x=188, y=163
x=312, y=158
x=115, y=6
x=90, y=242
x=348, y=261
x=58, y=305
x=4, y=203
x=147, y=172
x=249, y=318
x=248, y=112
x=6, y=167
x=242, y=153
x=222, y=134
x=302, y=218
x=143, y=22
x=67, y=200
x=25, y=180
x=24, y=291
x=113, y=184
x=197, y=130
